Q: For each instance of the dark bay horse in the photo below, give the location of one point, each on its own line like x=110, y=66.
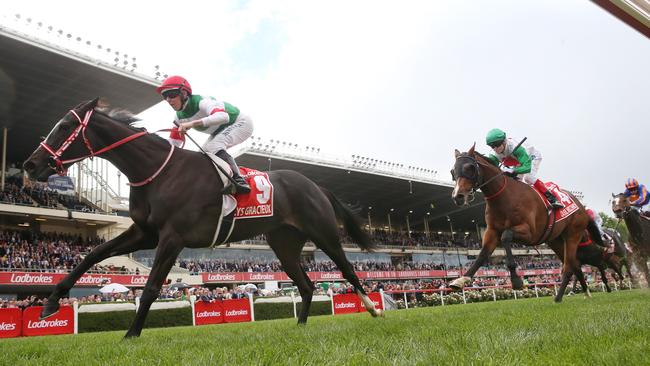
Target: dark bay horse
x=515, y=213
x=639, y=228
x=176, y=202
x=613, y=256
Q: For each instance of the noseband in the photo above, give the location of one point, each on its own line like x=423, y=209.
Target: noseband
x=476, y=178
x=55, y=155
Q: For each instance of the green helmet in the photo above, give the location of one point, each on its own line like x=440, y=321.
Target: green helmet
x=495, y=136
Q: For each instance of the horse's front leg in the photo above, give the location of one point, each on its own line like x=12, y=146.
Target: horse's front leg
x=490, y=242
x=169, y=248
x=506, y=242
x=129, y=241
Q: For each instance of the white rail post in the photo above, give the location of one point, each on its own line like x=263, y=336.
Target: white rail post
x=602, y=286
x=332, y=299
x=137, y=303
x=515, y=293
x=406, y=301
x=381, y=293
x=293, y=300
x=192, y=301
x=250, y=300
x=442, y=297
x=494, y=294
x=75, y=308
x=555, y=289
x=536, y=294
x=464, y=299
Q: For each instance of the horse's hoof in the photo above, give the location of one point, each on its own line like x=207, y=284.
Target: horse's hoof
x=459, y=283
x=48, y=310
x=517, y=284
x=378, y=313
x=557, y=300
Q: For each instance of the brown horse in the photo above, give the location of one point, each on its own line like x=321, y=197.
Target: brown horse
x=515, y=213
x=176, y=202
x=639, y=228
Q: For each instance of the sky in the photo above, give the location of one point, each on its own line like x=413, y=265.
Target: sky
x=407, y=82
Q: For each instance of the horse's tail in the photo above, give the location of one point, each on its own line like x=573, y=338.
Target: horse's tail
x=351, y=221
x=595, y=233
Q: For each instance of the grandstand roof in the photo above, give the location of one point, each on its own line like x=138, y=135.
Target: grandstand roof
x=40, y=82
x=376, y=190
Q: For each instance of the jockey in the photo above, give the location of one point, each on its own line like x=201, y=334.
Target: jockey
x=522, y=160
x=224, y=123
x=636, y=193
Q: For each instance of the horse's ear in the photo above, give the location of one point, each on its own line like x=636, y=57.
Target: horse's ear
x=91, y=104
x=471, y=150
x=456, y=153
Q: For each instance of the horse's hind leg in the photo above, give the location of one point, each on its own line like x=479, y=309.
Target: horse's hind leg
x=168, y=250
x=328, y=242
x=287, y=243
x=129, y=241
x=603, y=276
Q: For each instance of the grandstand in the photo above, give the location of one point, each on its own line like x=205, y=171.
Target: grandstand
x=408, y=209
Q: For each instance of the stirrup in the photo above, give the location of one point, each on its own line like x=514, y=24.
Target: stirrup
x=241, y=186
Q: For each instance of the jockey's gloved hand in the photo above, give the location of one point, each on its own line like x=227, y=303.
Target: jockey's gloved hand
x=510, y=172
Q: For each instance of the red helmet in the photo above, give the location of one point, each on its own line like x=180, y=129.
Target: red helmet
x=632, y=184
x=174, y=82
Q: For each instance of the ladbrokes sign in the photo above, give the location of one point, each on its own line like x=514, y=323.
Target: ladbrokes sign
x=351, y=303
x=10, y=322
x=61, y=322
x=226, y=311
x=26, y=278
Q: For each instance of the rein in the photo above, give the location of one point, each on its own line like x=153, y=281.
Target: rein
x=81, y=128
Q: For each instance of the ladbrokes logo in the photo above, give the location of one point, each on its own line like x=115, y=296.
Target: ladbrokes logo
x=208, y=314
x=47, y=324
x=7, y=326
x=345, y=305
x=221, y=277
x=93, y=280
x=330, y=275
x=32, y=279
x=261, y=276
x=138, y=280
x=236, y=312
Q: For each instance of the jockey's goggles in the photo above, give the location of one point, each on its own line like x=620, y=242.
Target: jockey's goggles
x=170, y=94
x=496, y=144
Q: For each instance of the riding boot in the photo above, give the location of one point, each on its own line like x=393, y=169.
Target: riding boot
x=240, y=184
x=549, y=196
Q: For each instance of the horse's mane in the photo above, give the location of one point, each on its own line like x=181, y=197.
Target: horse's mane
x=124, y=116
x=484, y=158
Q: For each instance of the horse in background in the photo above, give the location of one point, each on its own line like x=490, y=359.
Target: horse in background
x=639, y=228
x=515, y=213
x=176, y=202
x=612, y=256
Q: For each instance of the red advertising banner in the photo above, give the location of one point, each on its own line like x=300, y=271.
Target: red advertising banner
x=10, y=322
x=352, y=303
x=208, y=312
x=372, y=275
x=43, y=278
x=236, y=311
x=346, y=303
x=60, y=323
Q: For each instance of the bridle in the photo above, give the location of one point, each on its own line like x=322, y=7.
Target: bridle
x=55, y=155
x=476, y=177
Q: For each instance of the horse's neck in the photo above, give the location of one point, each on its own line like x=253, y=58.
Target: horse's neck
x=139, y=158
x=637, y=226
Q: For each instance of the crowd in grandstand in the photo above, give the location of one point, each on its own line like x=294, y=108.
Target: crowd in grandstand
x=38, y=194
x=24, y=250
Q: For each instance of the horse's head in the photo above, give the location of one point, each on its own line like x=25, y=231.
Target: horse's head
x=55, y=154
x=467, y=175
x=620, y=205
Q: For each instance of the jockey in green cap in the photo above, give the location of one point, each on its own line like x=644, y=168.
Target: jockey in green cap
x=522, y=160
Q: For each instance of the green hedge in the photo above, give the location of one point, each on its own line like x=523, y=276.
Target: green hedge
x=121, y=320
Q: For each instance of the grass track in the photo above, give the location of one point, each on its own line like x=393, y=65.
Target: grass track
x=605, y=330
